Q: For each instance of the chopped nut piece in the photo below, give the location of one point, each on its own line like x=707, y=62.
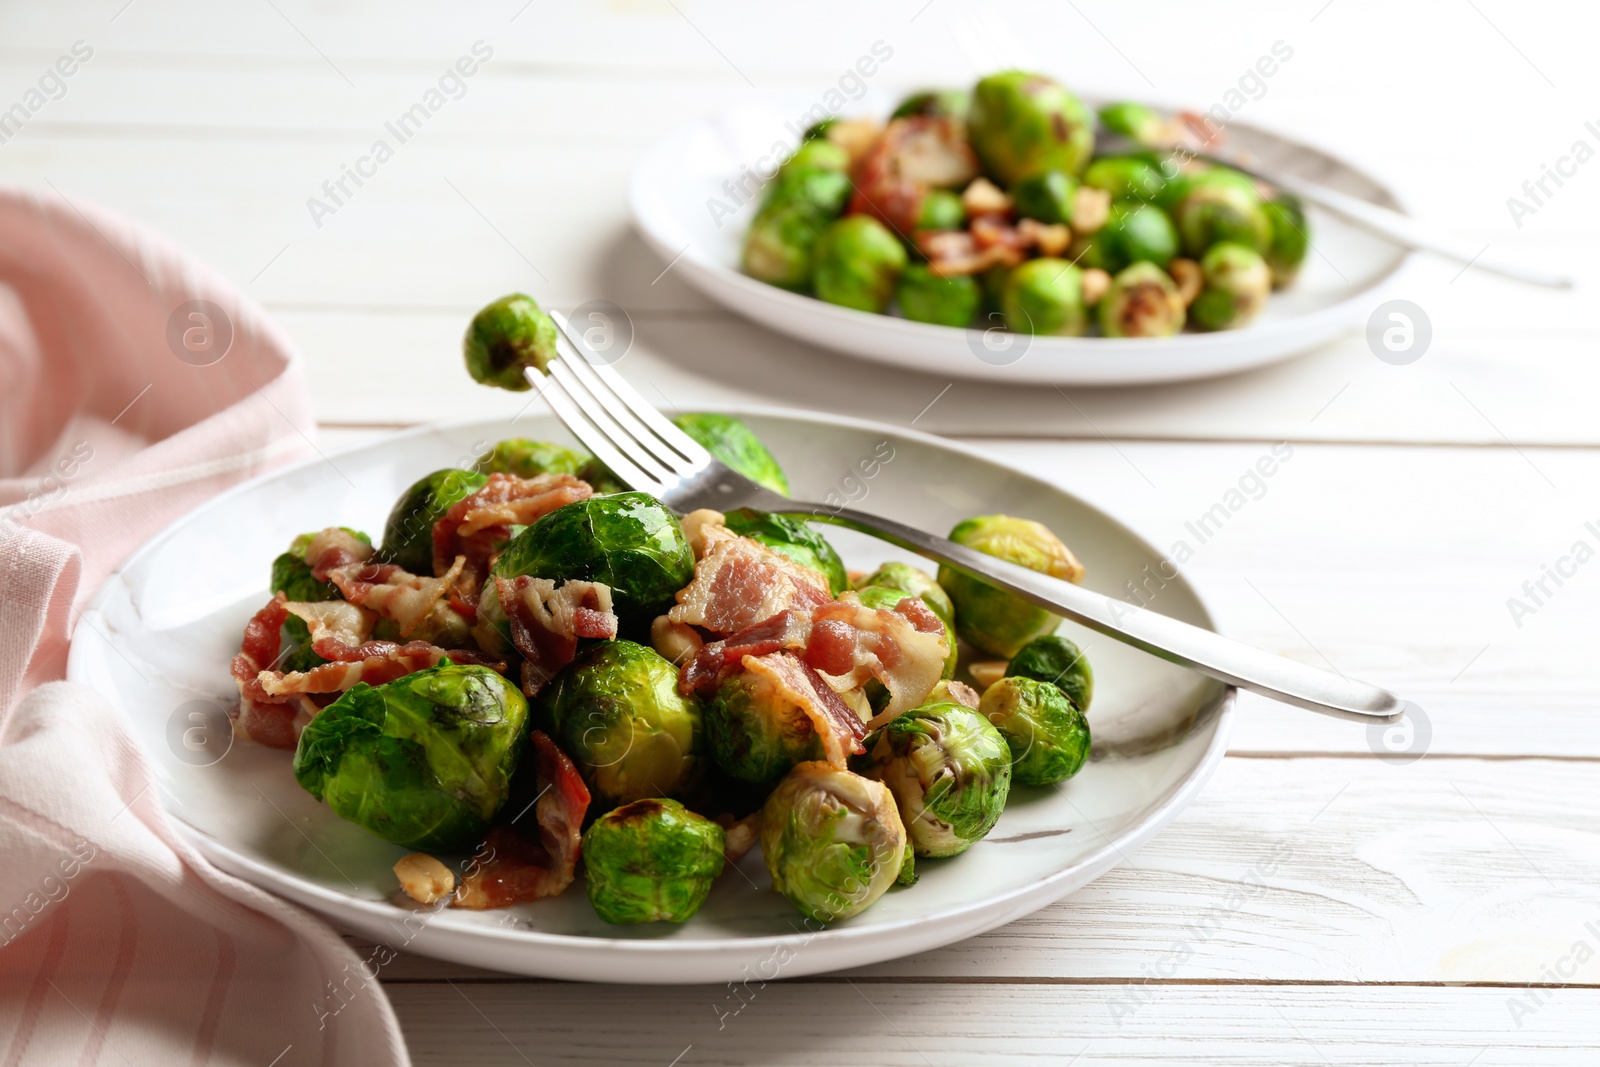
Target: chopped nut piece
x=424, y=879
x=855, y=136
x=1186, y=273
x=1095, y=284
x=987, y=672
x=739, y=836
x=676, y=641
x=1091, y=208
x=984, y=197
x=1051, y=239
x=694, y=526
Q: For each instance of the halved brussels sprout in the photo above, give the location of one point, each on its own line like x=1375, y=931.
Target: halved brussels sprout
x=1142, y=302
x=1290, y=239
x=1055, y=660
x=913, y=580
x=630, y=542
x=928, y=297
x=1047, y=196
x=1126, y=177
x=1221, y=205
x=950, y=772
x=780, y=245
x=935, y=103
x=941, y=210
x=731, y=441
x=857, y=263
x=1045, y=296
x=1022, y=123
x=791, y=537
x=1047, y=734
x=617, y=712
x=819, y=153
x=424, y=761
x=506, y=336
x=990, y=619
x=754, y=732
x=408, y=533
x=651, y=861
x=1235, y=284
x=883, y=598
x=291, y=576
x=1134, y=121
x=833, y=841
x=822, y=190
x=527, y=458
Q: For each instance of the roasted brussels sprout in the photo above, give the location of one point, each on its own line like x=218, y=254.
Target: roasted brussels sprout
x=630, y=542
x=941, y=210
x=291, y=576
x=949, y=770
x=820, y=129
x=1022, y=123
x=424, y=761
x=833, y=841
x=1134, y=232
x=1134, y=121
x=821, y=189
x=1221, y=205
x=913, y=580
x=1290, y=239
x=1236, y=282
x=1045, y=296
x=857, y=263
x=883, y=598
x=1059, y=662
x=408, y=533
x=1048, y=735
x=651, y=861
x=791, y=537
x=731, y=441
x=780, y=244
x=946, y=103
x=527, y=458
x=819, y=152
x=1047, y=196
x=927, y=297
x=990, y=619
x=754, y=732
x=505, y=337
x=1142, y=302
x=1125, y=177
x=617, y=712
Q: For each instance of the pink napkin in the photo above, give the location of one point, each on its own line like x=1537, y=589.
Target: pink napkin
x=134, y=385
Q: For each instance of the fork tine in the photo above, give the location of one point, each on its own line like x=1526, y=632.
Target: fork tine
x=625, y=430
x=640, y=456
x=591, y=437
x=641, y=409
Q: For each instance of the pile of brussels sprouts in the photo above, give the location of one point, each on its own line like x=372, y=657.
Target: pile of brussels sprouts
x=989, y=208
x=680, y=783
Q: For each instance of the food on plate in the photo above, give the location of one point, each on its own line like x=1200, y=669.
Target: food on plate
x=941, y=213
x=505, y=337
x=1142, y=301
x=536, y=678
x=1235, y=281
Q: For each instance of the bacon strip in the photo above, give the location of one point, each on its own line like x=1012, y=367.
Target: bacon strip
x=519, y=869
x=332, y=548
x=410, y=600
x=546, y=622
x=739, y=582
x=839, y=728
x=478, y=526
x=266, y=719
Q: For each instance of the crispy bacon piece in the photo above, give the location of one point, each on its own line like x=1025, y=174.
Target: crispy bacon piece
x=332, y=548
x=915, y=154
x=952, y=253
x=417, y=604
x=739, y=582
x=839, y=728
x=374, y=663
x=706, y=670
x=267, y=719
x=547, y=620
x=478, y=526
x=521, y=869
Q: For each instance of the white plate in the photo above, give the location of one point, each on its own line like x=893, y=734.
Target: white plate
x=675, y=187
x=172, y=617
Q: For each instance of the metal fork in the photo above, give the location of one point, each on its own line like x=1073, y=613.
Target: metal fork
x=648, y=453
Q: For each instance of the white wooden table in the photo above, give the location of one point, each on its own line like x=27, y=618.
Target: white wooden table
x=1443, y=911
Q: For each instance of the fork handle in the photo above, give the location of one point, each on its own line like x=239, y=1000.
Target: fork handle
x=1199, y=649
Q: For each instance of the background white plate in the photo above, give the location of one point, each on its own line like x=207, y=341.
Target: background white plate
x=172, y=617
x=674, y=186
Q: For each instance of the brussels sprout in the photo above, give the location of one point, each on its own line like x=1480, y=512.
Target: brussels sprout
x=950, y=772
x=731, y=441
x=833, y=841
x=1023, y=123
x=941, y=210
x=1290, y=239
x=824, y=190
x=1060, y=663
x=424, y=761
x=408, y=533
x=780, y=244
x=651, y=861
x=1125, y=177
x=630, y=542
x=1048, y=735
x=1045, y=296
x=506, y=336
x=790, y=537
x=527, y=458
x=927, y=297
x=1236, y=283
x=1134, y=121
x=913, y=580
x=882, y=598
x=819, y=153
x=991, y=619
x=935, y=103
x=1134, y=232
x=1047, y=196
x=818, y=130
x=1221, y=205
x=617, y=712
x=754, y=732
x=857, y=263
x=1142, y=302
